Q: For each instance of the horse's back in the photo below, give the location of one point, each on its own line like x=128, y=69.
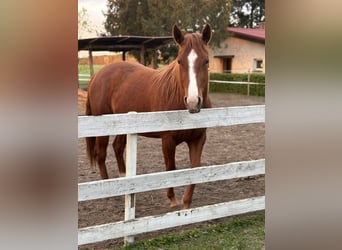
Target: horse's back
x=120, y=87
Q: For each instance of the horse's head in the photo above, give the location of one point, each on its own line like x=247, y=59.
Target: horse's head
x=193, y=65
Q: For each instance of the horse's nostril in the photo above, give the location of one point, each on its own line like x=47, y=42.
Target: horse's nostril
x=192, y=104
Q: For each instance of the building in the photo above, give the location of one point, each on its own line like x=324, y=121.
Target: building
x=243, y=51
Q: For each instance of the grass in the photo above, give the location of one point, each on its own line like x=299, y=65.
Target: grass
x=84, y=69
x=238, y=233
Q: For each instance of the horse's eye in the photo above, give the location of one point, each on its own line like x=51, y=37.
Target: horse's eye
x=206, y=61
x=178, y=61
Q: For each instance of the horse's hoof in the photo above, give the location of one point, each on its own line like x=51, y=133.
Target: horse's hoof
x=184, y=207
x=186, y=204
x=174, y=202
x=122, y=175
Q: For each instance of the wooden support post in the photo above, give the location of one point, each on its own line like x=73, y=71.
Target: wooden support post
x=131, y=163
x=91, y=63
x=142, y=55
x=154, y=59
x=124, y=55
x=248, y=80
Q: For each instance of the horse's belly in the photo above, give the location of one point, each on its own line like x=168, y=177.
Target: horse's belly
x=152, y=134
x=179, y=136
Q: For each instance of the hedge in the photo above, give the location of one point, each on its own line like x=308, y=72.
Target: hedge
x=257, y=90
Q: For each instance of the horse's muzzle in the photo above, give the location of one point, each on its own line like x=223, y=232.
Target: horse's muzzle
x=194, y=104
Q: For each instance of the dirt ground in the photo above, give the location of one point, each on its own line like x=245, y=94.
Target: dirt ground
x=224, y=145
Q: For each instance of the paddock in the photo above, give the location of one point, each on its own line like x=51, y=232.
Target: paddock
x=224, y=145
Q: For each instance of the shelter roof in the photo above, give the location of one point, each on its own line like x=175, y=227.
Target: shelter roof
x=257, y=34
x=122, y=43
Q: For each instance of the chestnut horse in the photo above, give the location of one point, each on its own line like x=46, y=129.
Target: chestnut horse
x=121, y=87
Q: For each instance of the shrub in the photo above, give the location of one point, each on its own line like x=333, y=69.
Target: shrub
x=257, y=90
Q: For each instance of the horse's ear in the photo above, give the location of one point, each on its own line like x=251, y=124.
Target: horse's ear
x=206, y=33
x=177, y=34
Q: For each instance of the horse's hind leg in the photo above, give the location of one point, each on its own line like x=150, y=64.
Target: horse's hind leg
x=101, y=153
x=119, y=145
x=195, y=152
x=169, y=151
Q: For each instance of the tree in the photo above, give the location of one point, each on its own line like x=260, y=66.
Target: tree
x=124, y=17
x=84, y=25
x=247, y=14
x=156, y=18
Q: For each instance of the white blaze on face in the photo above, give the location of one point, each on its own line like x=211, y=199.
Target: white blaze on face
x=193, y=89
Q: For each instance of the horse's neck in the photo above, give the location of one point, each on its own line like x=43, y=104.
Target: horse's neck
x=169, y=83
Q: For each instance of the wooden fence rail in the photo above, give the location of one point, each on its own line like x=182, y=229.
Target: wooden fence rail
x=236, y=82
x=148, y=182
x=86, y=78
x=248, y=83
x=131, y=123
x=134, y=123
x=172, y=219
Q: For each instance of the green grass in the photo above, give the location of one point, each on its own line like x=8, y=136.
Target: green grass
x=238, y=233
x=85, y=69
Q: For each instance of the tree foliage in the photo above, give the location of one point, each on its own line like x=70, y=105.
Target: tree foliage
x=84, y=25
x=156, y=18
x=86, y=28
x=247, y=14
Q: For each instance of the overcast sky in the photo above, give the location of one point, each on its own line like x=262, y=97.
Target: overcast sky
x=94, y=10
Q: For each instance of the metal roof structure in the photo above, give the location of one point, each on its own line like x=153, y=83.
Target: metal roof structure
x=122, y=43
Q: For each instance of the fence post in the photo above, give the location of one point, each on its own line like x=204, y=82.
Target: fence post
x=91, y=63
x=131, y=163
x=248, y=80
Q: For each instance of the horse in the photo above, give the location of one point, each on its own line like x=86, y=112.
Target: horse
x=121, y=87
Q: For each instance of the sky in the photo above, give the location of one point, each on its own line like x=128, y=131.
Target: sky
x=94, y=10
x=96, y=18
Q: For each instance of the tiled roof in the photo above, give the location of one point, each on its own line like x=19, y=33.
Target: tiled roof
x=258, y=33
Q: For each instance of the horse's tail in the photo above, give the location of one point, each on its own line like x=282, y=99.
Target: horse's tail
x=90, y=140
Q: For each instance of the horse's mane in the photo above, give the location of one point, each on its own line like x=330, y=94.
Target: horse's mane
x=168, y=84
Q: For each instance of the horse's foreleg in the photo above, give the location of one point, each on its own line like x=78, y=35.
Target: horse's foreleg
x=119, y=145
x=169, y=151
x=101, y=153
x=195, y=152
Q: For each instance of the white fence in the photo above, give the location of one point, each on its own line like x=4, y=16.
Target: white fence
x=133, y=123
x=248, y=83
x=86, y=78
